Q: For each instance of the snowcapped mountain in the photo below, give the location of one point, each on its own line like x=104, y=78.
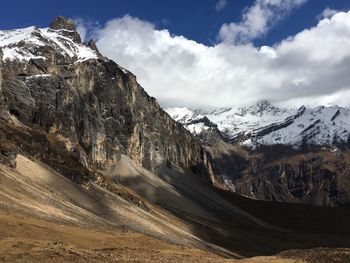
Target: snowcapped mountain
x=265, y=124
x=194, y=121
x=34, y=43
x=26, y=44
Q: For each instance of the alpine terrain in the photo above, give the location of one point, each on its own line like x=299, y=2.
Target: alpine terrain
x=298, y=155
x=92, y=169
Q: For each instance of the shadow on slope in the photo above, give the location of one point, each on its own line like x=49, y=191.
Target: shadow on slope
x=178, y=206
x=217, y=218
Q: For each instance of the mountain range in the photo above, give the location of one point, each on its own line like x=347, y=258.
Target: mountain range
x=92, y=169
x=265, y=125
x=266, y=152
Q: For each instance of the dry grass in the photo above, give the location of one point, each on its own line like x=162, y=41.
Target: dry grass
x=29, y=239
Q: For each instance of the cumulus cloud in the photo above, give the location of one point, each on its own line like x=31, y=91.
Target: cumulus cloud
x=221, y=4
x=257, y=20
x=311, y=67
x=327, y=13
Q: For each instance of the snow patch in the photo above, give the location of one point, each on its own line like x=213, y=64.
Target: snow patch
x=39, y=76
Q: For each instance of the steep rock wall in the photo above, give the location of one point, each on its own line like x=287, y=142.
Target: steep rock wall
x=97, y=109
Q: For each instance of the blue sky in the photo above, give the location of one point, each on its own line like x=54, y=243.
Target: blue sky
x=215, y=53
x=195, y=19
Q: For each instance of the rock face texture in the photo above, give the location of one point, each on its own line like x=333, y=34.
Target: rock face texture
x=52, y=81
x=317, y=177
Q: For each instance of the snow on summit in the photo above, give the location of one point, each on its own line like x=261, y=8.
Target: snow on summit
x=265, y=124
x=25, y=44
x=195, y=121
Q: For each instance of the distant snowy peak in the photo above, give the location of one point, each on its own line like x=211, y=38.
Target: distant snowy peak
x=183, y=115
x=32, y=43
x=194, y=121
x=265, y=124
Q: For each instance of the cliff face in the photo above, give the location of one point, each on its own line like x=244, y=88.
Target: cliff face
x=96, y=108
x=315, y=177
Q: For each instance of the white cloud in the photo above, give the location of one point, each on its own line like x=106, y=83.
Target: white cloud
x=257, y=20
x=86, y=28
x=327, y=13
x=311, y=67
x=221, y=4
x=81, y=28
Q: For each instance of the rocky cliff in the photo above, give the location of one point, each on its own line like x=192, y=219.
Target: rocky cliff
x=52, y=81
x=315, y=177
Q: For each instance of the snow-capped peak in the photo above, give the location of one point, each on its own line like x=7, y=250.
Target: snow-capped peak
x=195, y=121
x=265, y=124
x=29, y=43
x=183, y=114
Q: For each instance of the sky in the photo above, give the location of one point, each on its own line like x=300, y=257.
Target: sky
x=215, y=53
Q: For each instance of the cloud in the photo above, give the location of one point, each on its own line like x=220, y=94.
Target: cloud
x=81, y=28
x=327, y=13
x=311, y=67
x=257, y=20
x=86, y=28
x=221, y=4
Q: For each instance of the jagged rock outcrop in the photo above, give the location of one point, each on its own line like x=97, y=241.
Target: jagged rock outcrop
x=52, y=81
x=67, y=26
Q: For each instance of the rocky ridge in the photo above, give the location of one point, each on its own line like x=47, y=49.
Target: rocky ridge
x=265, y=125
